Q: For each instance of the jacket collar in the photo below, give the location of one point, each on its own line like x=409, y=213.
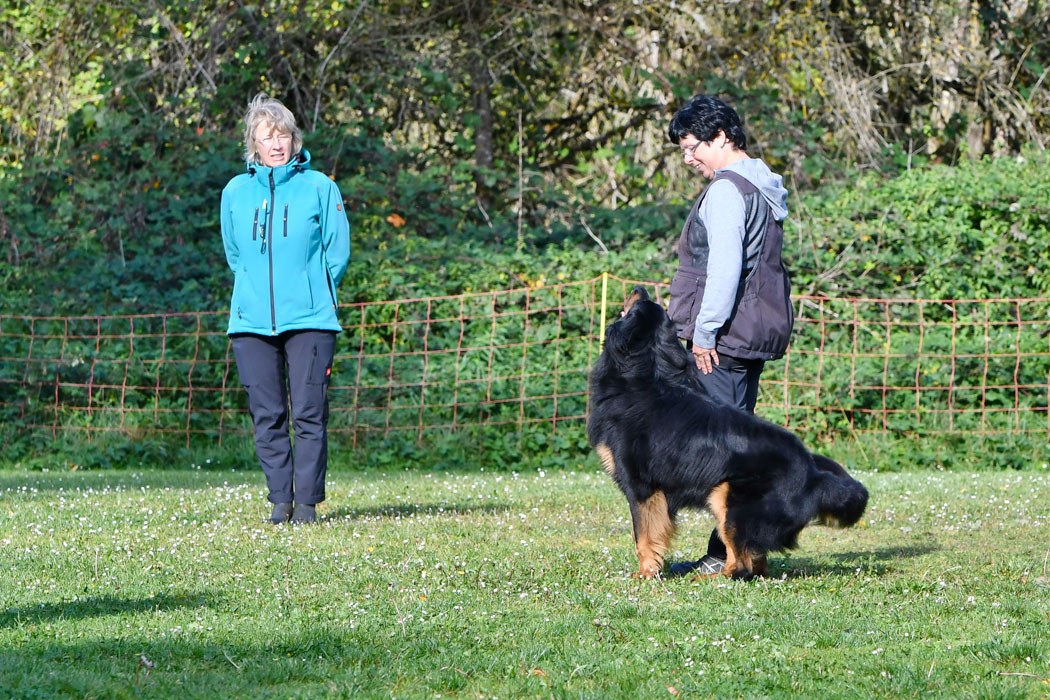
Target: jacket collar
x=281, y=173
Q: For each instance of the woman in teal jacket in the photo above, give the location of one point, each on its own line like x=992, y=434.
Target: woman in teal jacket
x=287, y=241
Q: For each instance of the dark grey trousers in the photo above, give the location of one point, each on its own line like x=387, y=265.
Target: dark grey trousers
x=295, y=365
x=735, y=383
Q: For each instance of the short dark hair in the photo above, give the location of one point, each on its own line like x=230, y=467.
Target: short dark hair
x=703, y=117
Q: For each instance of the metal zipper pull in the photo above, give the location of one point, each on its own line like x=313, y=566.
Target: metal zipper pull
x=262, y=228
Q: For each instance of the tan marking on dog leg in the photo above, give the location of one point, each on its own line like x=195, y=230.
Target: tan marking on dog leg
x=740, y=562
x=655, y=530
x=606, y=457
x=743, y=562
x=716, y=503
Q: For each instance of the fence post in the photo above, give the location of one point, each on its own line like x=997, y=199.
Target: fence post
x=601, y=313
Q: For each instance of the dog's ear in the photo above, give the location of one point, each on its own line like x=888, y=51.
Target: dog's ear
x=618, y=337
x=614, y=337
x=674, y=362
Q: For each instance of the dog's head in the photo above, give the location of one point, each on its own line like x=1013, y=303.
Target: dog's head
x=633, y=345
x=639, y=319
x=637, y=294
x=642, y=345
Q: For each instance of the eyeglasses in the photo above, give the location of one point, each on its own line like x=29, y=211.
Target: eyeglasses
x=688, y=152
x=275, y=136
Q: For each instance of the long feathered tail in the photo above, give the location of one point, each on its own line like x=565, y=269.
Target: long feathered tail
x=842, y=498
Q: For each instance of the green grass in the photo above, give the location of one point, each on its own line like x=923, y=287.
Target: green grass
x=507, y=585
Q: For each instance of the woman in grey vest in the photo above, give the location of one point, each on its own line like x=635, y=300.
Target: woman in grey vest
x=730, y=296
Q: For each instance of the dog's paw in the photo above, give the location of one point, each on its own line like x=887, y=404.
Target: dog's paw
x=647, y=572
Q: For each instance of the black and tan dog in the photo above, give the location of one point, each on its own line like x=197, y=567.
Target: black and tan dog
x=668, y=446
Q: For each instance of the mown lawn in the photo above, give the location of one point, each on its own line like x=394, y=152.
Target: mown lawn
x=506, y=585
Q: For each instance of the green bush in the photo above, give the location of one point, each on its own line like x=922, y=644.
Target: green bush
x=980, y=229
x=125, y=222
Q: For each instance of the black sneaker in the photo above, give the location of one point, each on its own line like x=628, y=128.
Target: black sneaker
x=304, y=513
x=281, y=513
x=706, y=565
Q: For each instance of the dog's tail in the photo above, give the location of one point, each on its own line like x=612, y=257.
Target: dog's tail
x=842, y=499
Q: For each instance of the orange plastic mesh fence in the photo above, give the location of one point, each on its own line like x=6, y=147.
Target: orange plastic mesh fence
x=521, y=356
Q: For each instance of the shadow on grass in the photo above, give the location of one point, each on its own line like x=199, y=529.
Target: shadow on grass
x=410, y=509
x=101, y=606
x=28, y=483
x=876, y=563
x=305, y=664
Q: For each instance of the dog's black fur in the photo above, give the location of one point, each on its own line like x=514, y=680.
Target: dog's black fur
x=668, y=446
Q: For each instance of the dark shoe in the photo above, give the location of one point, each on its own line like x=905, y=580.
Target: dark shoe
x=281, y=513
x=304, y=514
x=706, y=565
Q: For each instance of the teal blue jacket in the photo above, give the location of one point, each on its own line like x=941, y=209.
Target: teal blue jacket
x=287, y=241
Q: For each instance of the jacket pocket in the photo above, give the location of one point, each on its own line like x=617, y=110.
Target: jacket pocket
x=294, y=296
x=245, y=300
x=762, y=320
x=686, y=294
x=322, y=354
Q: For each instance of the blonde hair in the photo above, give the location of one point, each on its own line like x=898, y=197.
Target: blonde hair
x=266, y=109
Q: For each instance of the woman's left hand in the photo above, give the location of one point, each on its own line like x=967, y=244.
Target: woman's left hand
x=704, y=358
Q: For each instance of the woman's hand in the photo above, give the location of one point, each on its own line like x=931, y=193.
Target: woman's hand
x=704, y=358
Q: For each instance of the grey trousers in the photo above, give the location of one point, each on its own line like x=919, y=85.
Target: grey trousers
x=295, y=366
x=735, y=383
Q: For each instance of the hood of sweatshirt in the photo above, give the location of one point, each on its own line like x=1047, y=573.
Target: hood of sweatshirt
x=768, y=183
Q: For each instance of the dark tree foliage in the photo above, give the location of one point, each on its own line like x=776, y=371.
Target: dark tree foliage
x=482, y=143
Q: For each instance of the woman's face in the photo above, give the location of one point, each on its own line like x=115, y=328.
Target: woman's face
x=274, y=147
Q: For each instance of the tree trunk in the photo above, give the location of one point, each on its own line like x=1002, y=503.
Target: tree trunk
x=480, y=89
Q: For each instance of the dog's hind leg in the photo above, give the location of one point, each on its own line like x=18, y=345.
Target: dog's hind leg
x=653, y=530
x=742, y=562
x=739, y=563
x=759, y=565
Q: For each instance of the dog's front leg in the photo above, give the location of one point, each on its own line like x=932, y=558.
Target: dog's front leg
x=653, y=530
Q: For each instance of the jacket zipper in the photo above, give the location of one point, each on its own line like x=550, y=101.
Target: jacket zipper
x=255, y=225
x=331, y=291
x=286, y=221
x=273, y=306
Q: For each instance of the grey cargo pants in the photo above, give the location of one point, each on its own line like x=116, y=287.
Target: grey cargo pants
x=734, y=383
x=295, y=365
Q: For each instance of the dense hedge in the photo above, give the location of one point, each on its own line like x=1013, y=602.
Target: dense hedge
x=126, y=222
x=977, y=230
